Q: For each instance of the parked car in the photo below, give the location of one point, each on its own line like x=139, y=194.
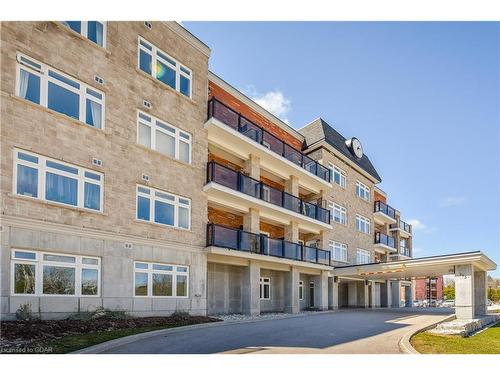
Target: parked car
x=449, y=303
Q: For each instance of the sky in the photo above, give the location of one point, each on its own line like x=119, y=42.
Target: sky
x=423, y=98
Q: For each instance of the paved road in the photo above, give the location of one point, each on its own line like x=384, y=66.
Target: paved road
x=344, y=331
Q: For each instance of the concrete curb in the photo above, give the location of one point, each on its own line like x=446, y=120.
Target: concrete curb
x=99, y=348
x=404, y=343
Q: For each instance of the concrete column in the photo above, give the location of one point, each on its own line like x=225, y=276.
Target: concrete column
x=292, y=232
x=251, y=289
x=375, y=295
x=480, y=294
x=292, y=186
x=251, y=221
x=352, y=294
x=366, y=291
x=292, y=303
x=396, y=293
x=333, y=293
x=252, y=167
x=389, y=294
x=321, y=291
x=464, y=292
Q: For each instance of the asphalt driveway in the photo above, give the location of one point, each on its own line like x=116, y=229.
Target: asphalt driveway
x=344, y=331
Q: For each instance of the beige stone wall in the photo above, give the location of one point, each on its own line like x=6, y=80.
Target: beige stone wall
x=35, y=128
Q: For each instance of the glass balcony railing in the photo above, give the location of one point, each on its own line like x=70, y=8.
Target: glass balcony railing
x=238, y=239
x=385, y=208
x=401, y=225
x=244, y=184
x=244, y=126
x=384, y=239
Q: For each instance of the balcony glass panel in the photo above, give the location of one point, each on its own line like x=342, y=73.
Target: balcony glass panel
x=272, y=143
x=291, y=202
x=310, y=164
x=292, y=155
x=249, y=242
x=310, y=254
x=250, y=130
x=223, y=176
x=384, y=239
x=224, y=114
x=309, y=210
x=292, y=250
x=384, y=208
x=223, y=237
x=250, y=186
x=323, y=256
x=275, y=247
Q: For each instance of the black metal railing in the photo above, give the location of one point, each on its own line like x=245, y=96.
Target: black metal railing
x=404, y=251
x=385, y=208
x=238, y=122
x=238, y=181
x=402, y=225
x=237, y=239
x=384, y=239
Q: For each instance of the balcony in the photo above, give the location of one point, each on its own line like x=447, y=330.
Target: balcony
x=403, y=228
x=234, y=190
x=232, y=132
x=384, y=243
x=384, y=214
x=237, y=239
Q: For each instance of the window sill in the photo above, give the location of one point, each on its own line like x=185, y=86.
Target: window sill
x=155, y=152
x=72, y=120
x=162, y=297
x=81, y=37
x=55, y=204
x=165, y=86
x=164, y=226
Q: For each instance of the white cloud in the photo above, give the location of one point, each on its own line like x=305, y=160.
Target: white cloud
x=452, y=201
x=274, y=101
x=417, y=224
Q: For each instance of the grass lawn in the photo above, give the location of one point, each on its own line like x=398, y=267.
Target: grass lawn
x=486, y=342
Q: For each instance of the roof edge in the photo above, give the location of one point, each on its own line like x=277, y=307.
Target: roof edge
x=176, y=27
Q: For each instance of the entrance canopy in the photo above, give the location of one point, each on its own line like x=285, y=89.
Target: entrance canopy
x=426, y=266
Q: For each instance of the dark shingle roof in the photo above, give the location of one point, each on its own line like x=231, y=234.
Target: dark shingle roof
x=319, y=130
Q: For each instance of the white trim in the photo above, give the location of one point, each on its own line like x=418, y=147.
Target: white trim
x=301, y=290
x=363, y=191
x=340, y=248
x=366, y=224
x=174, y=272
x=363, y=256
x=339, y=171
x=263, y=282
x=84, y=31
x=341, y=210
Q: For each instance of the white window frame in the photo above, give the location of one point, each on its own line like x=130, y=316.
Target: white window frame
x=153, y=197
x=150, y=271
x=42, y=70
x=84, y=31
x=363, y=256
x=343, y=176
x=178, y=68
x=39, y=262
x=341, y=210
x=301, y=290
x=366, y=224
x=42, y=168
x=262, y=282
x=340, y=249
x=362, y=191
x=155, y=124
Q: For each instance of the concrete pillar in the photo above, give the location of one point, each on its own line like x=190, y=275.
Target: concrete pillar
x=292, y=303
x=480, y=294
x=352, y=294
x=321, y=291
x=366, y=293
x=251, y=289
x=292, y=186
x=292, y=232
x=333, y=293
x=251, y=221
x=396, y=293
x=389, y=294
x=252, y=167
x=375, y=295
x=464, y=292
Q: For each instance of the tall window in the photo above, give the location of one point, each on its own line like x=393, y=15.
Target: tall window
x=47, y=274
x=47, y=179
x=55, y=90
x=362, y=191
x=164, y=68
x=92, y=30
x=265, y=288
x=160, y=280
x=301, y=290
x=337, y=175
x=163, y=208
x=363, y=256
x=338, y=251
x=338, y=213
x=162, y=137
x=362, y=224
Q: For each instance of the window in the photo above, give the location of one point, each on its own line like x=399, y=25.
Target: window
x=42, y=274
x=47, y=179
x=160, y=280
x=362, y=191
x=362, y=224
x=338, y=213
x=92, y=30
x=301, y=290
x=363, y=256
x=55, y=90
x=338, y=251
x=162, y=137
x=163, y=208
x=265, y=288
x=337, y=175
x=164, y=68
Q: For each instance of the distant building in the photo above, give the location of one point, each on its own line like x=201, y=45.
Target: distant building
x=428, y=288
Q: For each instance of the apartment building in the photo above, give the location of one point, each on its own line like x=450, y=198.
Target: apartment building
x=428, y=288
x=135, y=179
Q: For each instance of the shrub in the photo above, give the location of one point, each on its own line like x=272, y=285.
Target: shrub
x=24, y=312
x=99, y=313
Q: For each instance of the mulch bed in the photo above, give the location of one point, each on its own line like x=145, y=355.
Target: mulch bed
x=18, y=334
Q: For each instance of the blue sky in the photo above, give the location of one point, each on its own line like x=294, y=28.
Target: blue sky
x=423, y=98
